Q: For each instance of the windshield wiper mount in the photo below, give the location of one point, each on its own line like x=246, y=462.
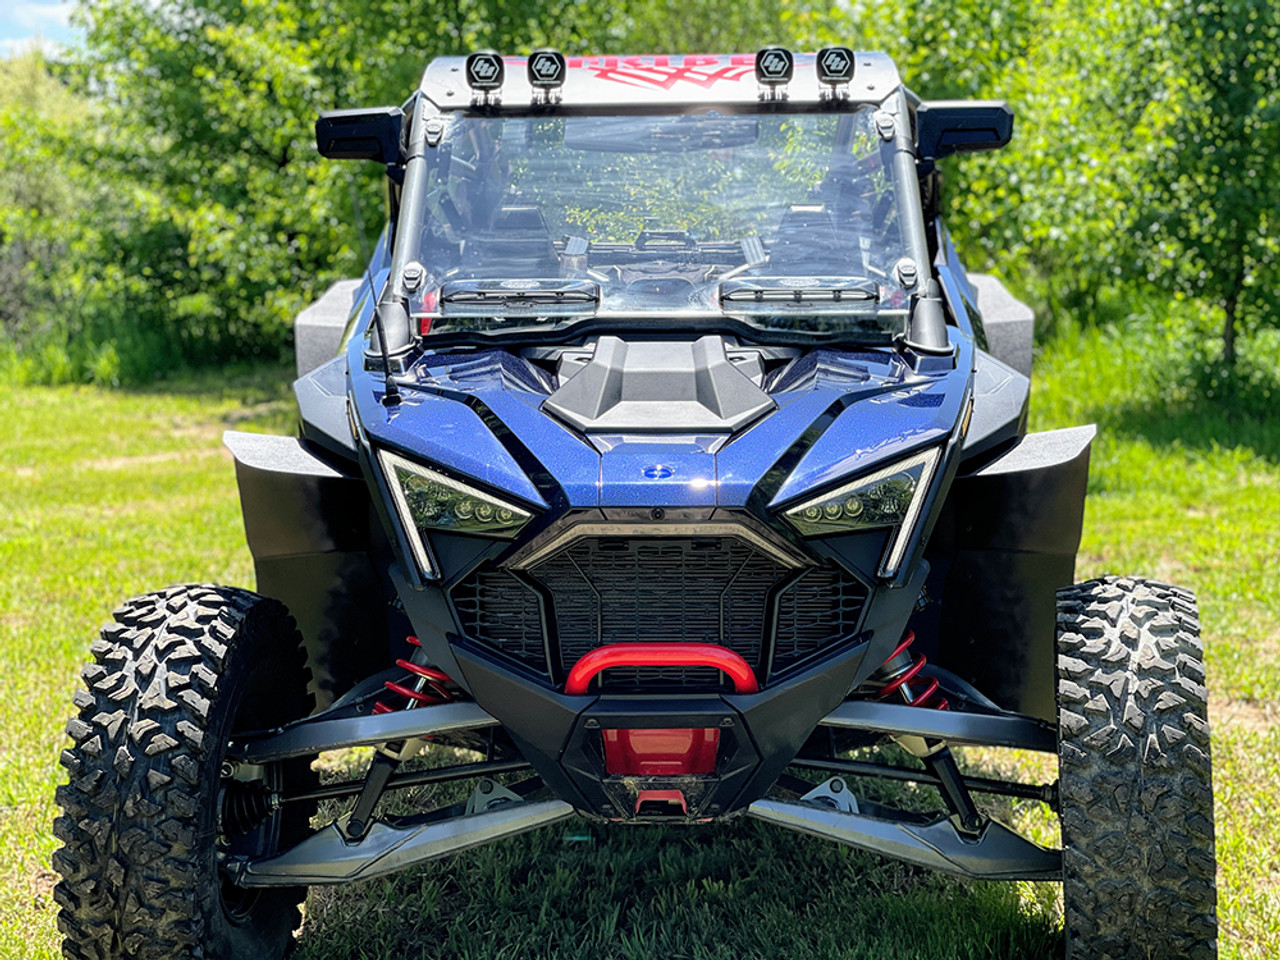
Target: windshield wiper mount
x=799, y=290
x=543, y=296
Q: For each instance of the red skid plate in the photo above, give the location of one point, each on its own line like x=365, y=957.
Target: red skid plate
x=661, y=752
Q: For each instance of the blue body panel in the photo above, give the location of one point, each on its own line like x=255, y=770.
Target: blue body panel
x=479, y=415
x=568, y=459
x=646, y=472
x=437, y=430
x=879, y=428
x=746, y=459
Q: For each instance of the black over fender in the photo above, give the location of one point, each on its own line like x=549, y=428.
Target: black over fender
x=1005, y=542
x=308, y=524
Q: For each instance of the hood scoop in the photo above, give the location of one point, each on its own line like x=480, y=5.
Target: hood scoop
x=641, y=386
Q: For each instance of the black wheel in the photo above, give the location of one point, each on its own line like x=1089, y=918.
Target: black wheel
x=1136, y=789
x=151, y=808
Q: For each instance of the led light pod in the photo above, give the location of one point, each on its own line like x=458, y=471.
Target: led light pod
x=546, y=68
x=430, y=501
x=890, y=497
x=834, y=65
x=774, y=66
x=485, y=71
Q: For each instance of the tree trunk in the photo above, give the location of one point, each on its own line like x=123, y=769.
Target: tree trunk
x=1229, y=334
x=1229, y=306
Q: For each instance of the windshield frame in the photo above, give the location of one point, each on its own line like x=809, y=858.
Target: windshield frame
x=425, y=132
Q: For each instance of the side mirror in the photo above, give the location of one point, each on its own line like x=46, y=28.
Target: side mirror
x=944, y=127
x=370, y=133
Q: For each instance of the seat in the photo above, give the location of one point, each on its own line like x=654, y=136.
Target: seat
x=807, y=243
x=518, y=245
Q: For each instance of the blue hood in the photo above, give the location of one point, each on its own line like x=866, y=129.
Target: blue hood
x=835, y=413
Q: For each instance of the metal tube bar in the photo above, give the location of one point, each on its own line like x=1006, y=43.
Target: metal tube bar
x=327, y=856
x=1045, y=793
x=996, y=853
x=661, y=655
x=953, y=726
x=417, y=778
x=316, y=734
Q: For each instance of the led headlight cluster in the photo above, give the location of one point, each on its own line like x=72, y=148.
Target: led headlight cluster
x=890, y=497
x=427, y=500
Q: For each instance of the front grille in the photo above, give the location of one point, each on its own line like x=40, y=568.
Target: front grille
x=496, y=608
x=824, y=603
x=631, y=590
x=618, y=589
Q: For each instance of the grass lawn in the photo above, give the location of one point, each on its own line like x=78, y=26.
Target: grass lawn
x=109, y=494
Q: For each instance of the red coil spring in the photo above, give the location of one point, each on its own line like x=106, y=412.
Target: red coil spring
x=900, y=681
x=430, y=679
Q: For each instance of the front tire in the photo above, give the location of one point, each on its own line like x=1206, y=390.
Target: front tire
x=149, y=810
x=1136, y=789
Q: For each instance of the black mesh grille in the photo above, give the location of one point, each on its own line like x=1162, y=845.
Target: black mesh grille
x=821, y=607
x=496, y=608
x=663, y=679
x=620, y=589
x=647, y=590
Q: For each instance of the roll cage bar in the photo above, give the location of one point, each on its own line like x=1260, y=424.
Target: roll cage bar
x=923, y=132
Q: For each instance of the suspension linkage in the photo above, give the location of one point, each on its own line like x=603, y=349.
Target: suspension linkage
x=1043, y=792
x=417, y=778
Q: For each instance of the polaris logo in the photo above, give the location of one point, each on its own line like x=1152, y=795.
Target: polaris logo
x=835, y=65
x=485, y=71
x=546, y=68
x=774, y=65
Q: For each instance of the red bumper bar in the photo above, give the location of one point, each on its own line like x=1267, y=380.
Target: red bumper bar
x=661, y=655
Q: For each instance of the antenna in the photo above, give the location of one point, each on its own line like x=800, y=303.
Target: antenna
x=391, y=393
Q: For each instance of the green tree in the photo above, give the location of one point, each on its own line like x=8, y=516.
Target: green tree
x=33, y=105
x=215, y=101
x=54, y=209
x=1056, y=210
x=1213, y=212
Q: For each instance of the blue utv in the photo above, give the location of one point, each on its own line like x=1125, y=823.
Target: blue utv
x=669, y=455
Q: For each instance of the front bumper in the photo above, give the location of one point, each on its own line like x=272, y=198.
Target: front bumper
x=562, y=736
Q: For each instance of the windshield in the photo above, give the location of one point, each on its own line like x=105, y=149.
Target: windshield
x=784, y=222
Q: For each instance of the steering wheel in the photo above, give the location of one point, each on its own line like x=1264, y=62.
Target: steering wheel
x=666, y=237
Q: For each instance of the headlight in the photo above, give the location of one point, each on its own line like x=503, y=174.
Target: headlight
x=891, y=497
x=427, y=500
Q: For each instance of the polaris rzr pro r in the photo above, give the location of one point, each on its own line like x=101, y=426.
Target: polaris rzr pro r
x=669, y=454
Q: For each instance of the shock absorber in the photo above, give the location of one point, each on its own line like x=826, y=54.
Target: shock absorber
x=898, y=672
x=899, y=669
x=428, y=689
x=425, y=678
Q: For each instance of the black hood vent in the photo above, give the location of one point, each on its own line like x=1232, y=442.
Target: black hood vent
x=643, y=386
